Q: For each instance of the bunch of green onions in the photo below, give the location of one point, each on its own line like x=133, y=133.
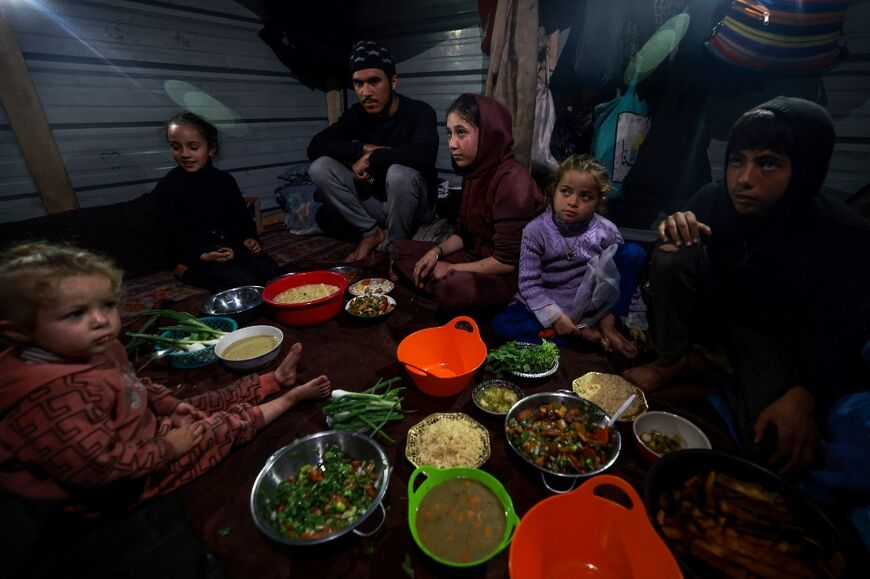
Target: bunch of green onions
x=195, y=334
x=367, y=411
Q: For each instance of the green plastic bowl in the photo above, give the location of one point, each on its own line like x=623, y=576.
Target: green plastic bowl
x=436, y=476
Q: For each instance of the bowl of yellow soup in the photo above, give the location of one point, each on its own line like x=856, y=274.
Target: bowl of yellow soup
x=306, y=298
x=250, y=347
x=460, y=517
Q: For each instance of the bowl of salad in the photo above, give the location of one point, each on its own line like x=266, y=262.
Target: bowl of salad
x=524, y=359
x=321, y=487
x=370, y=307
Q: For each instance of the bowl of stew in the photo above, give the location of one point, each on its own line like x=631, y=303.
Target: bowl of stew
x=460, y=517
x=565, y=437
x=321, y=487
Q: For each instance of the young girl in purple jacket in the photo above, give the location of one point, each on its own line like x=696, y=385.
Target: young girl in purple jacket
x=570, y=263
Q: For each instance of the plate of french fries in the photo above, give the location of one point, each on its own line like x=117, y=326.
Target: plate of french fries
x=724, y=516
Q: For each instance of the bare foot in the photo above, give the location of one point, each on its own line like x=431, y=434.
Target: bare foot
x=367, y=245
x=320, y=387
x=590, y=334
x=654, y=375
x=618, y=342
x=286, y=372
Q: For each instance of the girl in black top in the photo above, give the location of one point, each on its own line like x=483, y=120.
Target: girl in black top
x=209, y=236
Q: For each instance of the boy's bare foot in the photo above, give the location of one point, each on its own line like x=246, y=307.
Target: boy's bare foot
x=286, y=372
x=367, y=245
x=320, y=387
x=654, y=375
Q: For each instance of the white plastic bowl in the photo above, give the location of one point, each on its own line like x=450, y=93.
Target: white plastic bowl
x=250, y=363
x=671, y=425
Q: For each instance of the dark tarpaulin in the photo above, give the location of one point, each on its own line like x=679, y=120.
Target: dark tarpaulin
x=312, y=39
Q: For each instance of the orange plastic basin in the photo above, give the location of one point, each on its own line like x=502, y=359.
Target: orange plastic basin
x=584, y=535
x=442, y=361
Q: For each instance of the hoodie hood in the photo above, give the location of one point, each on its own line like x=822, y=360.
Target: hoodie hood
x=814, y=139
x=495, y=137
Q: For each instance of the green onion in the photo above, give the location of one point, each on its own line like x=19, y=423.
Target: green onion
x=366, y=411
x=192, y=330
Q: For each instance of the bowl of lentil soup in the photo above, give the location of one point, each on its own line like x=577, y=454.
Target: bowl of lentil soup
x=460, y=517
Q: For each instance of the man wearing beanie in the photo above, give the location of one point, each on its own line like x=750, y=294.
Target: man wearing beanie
x=376, y=164
x=771, y=274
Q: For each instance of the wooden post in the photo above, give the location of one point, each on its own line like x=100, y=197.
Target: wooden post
x=333, y=100
x=27, y=118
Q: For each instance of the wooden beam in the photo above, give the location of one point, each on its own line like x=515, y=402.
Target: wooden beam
x=27, y=118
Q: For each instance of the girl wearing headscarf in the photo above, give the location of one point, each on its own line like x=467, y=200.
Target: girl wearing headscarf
x=476, y=266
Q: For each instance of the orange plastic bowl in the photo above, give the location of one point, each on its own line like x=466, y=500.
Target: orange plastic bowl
x=442, y=361
x=583, y=534
x=306, y=313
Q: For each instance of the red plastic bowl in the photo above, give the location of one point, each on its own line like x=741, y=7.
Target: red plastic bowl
x=306, y=313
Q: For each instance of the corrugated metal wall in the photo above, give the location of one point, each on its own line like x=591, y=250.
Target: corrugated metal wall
x=106, y=72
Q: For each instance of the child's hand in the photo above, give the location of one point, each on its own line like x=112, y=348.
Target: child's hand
x=185, y=413
x=253, y=246
x=185, y=438
x=219, y=255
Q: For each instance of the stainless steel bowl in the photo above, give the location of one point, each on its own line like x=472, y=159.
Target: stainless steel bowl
x=240, y=303
x=572, y=401
x=310, y=450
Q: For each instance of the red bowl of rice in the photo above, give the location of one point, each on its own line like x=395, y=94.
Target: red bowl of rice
x=309, y=312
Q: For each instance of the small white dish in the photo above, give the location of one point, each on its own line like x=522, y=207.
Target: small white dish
x=371, y=285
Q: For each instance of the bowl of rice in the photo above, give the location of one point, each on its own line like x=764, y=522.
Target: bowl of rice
x=307, y=298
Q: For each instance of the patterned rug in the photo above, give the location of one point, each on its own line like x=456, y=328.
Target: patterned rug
x=288, y=250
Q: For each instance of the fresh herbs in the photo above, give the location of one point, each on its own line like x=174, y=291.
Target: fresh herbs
x=366, y=411
x=522, y=357
x=194, y=334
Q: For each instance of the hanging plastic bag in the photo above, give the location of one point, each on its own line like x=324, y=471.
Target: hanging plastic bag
x=545, y=119
x=621, y=125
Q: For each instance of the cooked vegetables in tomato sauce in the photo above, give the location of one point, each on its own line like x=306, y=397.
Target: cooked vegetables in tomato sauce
x=324, y=498
x=561, y=438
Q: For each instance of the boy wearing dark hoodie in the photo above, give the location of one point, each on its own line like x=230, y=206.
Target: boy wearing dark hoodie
x=775, y=273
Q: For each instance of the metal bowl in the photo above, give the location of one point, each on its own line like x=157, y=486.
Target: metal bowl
x=570, y=400
x=240, y=303
x=310, y=450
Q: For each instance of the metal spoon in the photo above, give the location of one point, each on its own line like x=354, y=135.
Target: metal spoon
x=156, y=356
x=621, y=410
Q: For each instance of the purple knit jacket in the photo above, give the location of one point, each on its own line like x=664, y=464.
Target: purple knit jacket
x=548, y=280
